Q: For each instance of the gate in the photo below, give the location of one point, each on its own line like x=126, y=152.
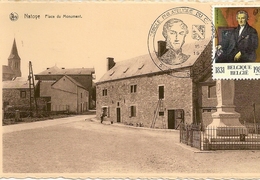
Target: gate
x=190, y=135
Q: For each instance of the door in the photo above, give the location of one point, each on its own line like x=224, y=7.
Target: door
x=82, y=107
x=48, y=106
x=118, y=115
x=171, y=119
x=179, y=117
x=175, y=117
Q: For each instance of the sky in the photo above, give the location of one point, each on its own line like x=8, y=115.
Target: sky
x=118, y=30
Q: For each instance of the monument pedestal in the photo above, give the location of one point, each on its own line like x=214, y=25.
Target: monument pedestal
x=225, y=120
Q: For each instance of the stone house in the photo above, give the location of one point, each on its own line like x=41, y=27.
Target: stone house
x=137, y=91
x=64, y=94
x=82, y=76
x=16, y=94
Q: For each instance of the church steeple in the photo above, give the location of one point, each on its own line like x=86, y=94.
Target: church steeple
x=14, y=52
x=14, y=61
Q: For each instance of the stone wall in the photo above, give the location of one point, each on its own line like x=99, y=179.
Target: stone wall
x=13, y=98
x=177, y=95
x=247, y=92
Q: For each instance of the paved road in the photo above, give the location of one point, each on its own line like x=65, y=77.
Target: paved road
x=76, y=145
x=46, y=123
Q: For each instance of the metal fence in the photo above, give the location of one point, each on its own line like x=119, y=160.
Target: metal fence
x=221, y=138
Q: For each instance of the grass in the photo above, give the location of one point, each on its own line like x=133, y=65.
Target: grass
x=11, y=121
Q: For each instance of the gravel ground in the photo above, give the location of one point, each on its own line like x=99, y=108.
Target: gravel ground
x=91, y=147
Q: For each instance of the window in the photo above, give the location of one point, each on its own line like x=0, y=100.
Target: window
x=161, y=113
x=16, y=65
x=133, y=88
x=104, y=92
x=22, y=94
x=81, y=95
x=161, y=92
x=132, y=111
x=212, y=91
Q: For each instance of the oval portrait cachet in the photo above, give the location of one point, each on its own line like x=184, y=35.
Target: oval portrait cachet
x=178, y=37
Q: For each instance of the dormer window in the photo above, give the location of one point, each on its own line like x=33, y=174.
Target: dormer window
x=112, y=73
x=126, y=70
x=141, y=67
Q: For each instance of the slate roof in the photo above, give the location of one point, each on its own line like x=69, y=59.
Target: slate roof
x=7, y=70
x=146, y=64
x=72, y=71
x=45, y=84
x=21, y=79
x=73, y=81
x=14, y=52
x=131, y=67
x=19, y=83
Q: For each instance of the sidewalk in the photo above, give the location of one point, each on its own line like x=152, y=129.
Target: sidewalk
x=128, y=126
x=46, y=123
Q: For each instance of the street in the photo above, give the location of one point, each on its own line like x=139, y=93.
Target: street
x=80, y=145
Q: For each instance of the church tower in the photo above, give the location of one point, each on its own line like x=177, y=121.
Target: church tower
x=14, y=61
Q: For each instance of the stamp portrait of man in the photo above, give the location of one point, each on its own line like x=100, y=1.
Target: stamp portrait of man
x=174, y=32
x=241, y=43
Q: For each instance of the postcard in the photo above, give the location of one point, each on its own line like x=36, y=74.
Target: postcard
x=130, y=90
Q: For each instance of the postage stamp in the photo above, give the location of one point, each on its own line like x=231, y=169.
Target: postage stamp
x=236, y=50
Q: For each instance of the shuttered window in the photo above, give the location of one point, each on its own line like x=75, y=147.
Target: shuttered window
x=132, y=111
x=133, y=88
x=104, y=92
x=161, y=92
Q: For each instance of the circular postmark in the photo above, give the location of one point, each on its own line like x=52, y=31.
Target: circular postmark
x=13, y=16
x=178, y=37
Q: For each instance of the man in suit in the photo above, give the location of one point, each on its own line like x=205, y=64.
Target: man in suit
x=174, y=31
x=242, y=43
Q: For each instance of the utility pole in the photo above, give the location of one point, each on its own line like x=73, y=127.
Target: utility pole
x=32, y=88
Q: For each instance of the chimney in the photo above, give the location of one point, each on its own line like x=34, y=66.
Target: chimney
x=161, y=48
x=110, y=63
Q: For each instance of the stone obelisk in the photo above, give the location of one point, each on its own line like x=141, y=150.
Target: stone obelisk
x=226, y=116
